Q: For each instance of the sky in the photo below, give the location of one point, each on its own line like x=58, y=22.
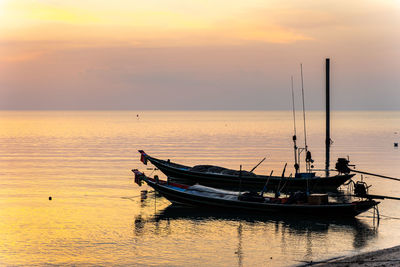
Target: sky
x=201, y=55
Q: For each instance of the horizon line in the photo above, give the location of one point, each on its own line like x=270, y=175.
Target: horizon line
x=1, y=110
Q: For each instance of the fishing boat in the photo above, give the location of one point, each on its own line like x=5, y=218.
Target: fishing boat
x=219, y=177
x=207, y=197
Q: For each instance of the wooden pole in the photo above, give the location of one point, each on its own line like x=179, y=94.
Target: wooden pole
x=328, y=126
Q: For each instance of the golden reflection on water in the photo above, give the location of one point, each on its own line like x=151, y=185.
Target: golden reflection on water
x=96, y=217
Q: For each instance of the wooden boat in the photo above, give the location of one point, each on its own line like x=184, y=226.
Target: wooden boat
x=202, y=196
x=224, y=178
x=219, y=177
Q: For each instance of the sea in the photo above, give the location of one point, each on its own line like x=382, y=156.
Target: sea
x=97, y=215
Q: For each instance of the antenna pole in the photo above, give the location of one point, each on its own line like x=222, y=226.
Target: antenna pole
x=304, y=109
x=308, y=154
x=296, y=164
x=328, y=126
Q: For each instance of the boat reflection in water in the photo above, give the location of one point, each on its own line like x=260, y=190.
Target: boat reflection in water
x=243, y=238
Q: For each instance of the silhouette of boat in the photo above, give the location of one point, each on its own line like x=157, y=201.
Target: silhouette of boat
x=202, y=196
x=219, y=177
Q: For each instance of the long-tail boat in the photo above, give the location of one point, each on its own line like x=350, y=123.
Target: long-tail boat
x=225, y=178
x=219, y=177
x=317, y=205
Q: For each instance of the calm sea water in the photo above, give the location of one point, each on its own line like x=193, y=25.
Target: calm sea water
x=83, y=160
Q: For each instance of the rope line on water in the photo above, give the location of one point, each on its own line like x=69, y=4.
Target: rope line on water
x=380, y=215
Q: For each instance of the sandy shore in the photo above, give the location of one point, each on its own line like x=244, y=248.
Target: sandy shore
x=384, y=257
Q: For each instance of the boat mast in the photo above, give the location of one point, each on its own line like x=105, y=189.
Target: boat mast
x=296, y=164
x=327, y=106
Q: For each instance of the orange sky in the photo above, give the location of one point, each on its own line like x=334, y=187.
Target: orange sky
x=209, y=54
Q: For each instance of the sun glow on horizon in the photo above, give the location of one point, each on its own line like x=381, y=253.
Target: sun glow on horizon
x=116, y=46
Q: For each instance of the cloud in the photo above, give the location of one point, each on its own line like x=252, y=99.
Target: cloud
x=144, y=25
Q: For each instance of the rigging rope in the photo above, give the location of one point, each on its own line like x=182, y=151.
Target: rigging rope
x=296, y=162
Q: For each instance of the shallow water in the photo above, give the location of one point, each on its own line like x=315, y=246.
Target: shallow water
x=83, y=160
